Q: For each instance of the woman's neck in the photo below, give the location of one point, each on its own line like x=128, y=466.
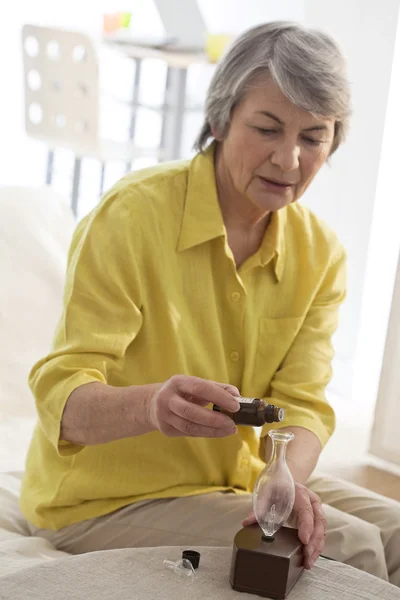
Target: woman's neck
x=238, y=212
x=244, y=222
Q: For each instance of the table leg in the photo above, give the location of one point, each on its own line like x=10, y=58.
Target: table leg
x=102, y=174
x=173, y=113
x=75, y=185
x=134, y=104
x=50, y=166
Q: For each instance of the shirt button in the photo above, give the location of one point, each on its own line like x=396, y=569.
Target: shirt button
x=235, y=296
x=234, y=356
x=244, y=463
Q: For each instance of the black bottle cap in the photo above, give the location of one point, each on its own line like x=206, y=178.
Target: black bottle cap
x=192, y=556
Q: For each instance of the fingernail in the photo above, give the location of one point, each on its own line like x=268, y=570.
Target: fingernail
x=306, y=538
x=310, y=550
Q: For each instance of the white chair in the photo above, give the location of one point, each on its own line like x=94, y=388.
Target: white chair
x=62, y=101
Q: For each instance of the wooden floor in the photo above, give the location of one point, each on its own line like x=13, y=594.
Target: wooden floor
x=371, y=478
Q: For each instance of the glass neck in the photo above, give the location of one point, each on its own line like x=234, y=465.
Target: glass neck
x=278, y=451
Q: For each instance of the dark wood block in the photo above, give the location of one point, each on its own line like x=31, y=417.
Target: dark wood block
x=267, y=568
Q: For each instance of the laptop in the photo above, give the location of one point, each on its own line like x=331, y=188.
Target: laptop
x=185, y=28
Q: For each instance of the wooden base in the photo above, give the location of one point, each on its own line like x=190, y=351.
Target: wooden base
x=267, y=568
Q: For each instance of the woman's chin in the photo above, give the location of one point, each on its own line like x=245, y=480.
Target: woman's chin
x=272, y=202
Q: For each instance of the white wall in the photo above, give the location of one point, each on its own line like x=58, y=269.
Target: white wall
x=345, y=193
x=234, y=16
x=383, y=254
x=385, y=435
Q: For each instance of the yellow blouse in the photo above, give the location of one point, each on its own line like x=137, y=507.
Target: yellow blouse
x=152, y=290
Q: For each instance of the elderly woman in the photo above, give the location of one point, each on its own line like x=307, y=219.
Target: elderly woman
x=192, y=281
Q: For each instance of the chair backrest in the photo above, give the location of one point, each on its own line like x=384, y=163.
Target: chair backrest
x=36, y=231
x=61, y=88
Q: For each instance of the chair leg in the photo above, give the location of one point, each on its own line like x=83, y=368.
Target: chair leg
x=49, y=167
x=102, y=173
x=75, y=185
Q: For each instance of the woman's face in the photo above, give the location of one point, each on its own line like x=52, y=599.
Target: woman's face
x=273, y=149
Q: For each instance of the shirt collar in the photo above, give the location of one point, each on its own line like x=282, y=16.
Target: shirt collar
x=202, y=218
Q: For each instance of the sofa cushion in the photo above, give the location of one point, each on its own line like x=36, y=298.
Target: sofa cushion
x=37, y=227
x=140, y=574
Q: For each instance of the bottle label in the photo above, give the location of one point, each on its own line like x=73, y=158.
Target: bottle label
x=246, y=400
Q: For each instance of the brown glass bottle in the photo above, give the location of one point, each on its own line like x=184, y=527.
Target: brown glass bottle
x=254, y=411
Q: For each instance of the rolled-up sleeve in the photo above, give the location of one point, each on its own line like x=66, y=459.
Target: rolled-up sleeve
x=101, y=316
x=300, y=383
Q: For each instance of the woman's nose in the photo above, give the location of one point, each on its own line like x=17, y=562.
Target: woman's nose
x=286, y=156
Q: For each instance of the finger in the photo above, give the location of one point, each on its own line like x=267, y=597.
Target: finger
x=207, y=391
x=318, y=538
x=305, y=515
x=307, y=564
x=186, y=428
x=229, y=388
x=198, y=414
x=249, y=520
x=315, y=556
x=315, y=545
x=310, y=561
x=319, y=533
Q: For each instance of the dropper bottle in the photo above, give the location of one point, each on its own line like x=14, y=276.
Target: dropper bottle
x=254, y=411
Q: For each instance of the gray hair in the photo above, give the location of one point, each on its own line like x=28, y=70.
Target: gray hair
x=306, y=64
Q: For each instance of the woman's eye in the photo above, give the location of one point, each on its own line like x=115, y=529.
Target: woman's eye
x=309, y=140
x=312, y=141
x=265, y=131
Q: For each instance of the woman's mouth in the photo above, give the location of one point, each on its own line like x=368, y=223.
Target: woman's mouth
x=275, y=185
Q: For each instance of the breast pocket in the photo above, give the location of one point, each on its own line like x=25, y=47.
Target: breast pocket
x=275, y=338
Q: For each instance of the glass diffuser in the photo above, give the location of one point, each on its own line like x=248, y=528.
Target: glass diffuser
x=273, y=495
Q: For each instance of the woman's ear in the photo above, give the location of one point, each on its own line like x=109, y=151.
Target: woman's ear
x=215, y=134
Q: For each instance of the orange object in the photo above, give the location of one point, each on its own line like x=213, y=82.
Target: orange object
x=112, y=22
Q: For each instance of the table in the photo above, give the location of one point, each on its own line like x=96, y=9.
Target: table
x=173, y=109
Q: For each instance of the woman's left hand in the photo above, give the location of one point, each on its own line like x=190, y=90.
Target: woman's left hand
x=311, y=523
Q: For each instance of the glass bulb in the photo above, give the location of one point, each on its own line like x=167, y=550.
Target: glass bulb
x=182, y=568
x=273, y=495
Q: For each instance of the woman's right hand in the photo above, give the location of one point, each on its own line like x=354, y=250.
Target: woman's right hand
x=177, y=408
